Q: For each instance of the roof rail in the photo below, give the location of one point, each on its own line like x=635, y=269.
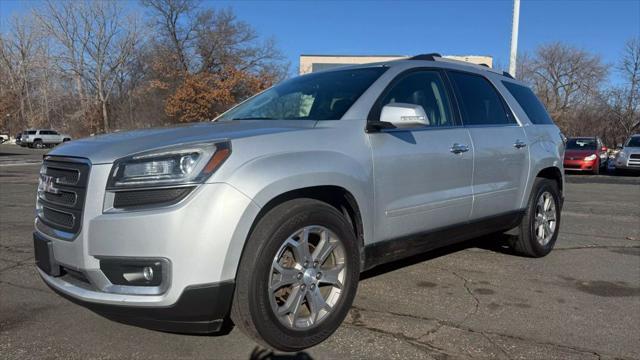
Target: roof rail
x=429, y=57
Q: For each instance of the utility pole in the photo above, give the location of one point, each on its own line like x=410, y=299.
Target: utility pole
x=514, y=38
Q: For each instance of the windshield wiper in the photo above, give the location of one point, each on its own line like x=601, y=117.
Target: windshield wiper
x=254, y=118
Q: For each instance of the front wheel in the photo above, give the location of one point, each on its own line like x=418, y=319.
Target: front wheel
x=297, y=277
x=538, y=231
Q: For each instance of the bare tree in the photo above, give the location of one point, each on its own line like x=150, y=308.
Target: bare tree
x=95, y=42
x=625, y=99
x=17, y=54
x=86, y=66
x=564, y=78
x=171, y=18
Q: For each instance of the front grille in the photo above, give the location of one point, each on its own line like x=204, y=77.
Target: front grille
x=65, y=220
x=61, y=193
x=67, y=198
x=634, y=156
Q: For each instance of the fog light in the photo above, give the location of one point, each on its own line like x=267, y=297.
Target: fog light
x=134, y=272
x=147, y=272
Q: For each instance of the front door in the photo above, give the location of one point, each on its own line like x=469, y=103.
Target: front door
x=420, y=182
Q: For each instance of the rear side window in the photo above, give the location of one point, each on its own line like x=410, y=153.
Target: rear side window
x=529, y=103
x=479, y=102
x=31, y=132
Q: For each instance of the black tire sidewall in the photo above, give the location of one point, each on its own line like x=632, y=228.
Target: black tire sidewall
x=274, y=234
x=543, y=185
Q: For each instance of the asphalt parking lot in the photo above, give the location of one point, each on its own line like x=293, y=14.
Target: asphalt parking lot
x=475, y=300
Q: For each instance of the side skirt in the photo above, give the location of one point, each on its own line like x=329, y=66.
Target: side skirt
x=396, y=249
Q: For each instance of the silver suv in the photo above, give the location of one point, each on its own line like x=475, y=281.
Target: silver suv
x=42, y=138
x=629, y=156
x=268, y=215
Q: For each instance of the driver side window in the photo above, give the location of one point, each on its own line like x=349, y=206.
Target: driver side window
x=424, y=88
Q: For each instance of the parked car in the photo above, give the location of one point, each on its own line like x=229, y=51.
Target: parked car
x=4, y=137
x=628, y=158
x=585, y=154
x=19, y=139
x=42, y=138
x=270, y=213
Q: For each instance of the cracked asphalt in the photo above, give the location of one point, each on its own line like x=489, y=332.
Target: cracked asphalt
x=473, y=300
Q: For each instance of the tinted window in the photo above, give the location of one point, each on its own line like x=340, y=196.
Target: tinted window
x=31, y=132
x=634, y=141
x=424, y=88
x=529, y=103
x=582, y=144
x=479, y=102
x=321, y=96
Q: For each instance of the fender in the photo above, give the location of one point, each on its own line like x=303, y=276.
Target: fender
x=264, y=178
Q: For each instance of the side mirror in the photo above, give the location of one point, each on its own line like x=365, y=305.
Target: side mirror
x=404, y=115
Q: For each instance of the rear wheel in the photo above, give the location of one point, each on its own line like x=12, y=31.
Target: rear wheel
x=538, y=231
x=38, y=144
x=297, y=277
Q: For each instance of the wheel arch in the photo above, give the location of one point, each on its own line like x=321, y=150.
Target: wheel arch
x=336, y=196
x=552, y=173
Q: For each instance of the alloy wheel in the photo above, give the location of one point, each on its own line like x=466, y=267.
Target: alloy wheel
x=307, y=277
x=545, y=218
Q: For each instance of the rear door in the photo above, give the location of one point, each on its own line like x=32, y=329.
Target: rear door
x=419, y=183
x=501, y=163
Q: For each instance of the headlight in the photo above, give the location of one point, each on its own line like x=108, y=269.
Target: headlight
x=190, y=164
x=591, y=157
x=622, y=155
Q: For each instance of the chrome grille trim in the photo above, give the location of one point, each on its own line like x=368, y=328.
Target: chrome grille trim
x=61, y=194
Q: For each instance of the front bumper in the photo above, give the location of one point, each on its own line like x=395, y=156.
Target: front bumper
x=627, y=164
x=201, y=239
x=200, y=309
x=580, y=165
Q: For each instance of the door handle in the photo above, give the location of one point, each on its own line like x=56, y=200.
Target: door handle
x=519, y=144
x=459, y=148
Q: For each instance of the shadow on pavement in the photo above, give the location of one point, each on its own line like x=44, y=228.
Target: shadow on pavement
x=265, y=354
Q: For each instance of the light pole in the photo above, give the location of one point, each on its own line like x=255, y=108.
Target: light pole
x=514, y=38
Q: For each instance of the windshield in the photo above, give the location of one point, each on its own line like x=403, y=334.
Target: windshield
x=633, y=142
x=321, y=96
x=582, y=144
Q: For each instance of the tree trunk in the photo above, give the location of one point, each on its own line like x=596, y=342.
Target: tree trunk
x=105, y=117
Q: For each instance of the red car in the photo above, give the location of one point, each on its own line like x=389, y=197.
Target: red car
x=585, y=154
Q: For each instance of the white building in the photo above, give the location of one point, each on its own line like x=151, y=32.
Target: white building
x=312, y=63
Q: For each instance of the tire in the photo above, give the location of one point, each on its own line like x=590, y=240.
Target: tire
x=528, y=242
x=38, y=144
x=254, y=305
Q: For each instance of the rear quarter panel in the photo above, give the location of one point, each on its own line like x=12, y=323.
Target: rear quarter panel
x=546, y=149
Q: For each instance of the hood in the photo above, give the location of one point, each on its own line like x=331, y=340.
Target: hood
x=104, y=149
x=579, y=153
